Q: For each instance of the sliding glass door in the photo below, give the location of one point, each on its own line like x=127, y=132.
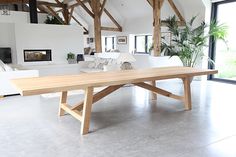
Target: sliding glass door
x=225, y=56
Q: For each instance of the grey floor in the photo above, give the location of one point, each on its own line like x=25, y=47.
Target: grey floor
x=126, y=123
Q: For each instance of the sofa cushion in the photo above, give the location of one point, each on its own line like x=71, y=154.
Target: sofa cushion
x=2, y=69
x=8, y=68
x=98, y=63
x=2, y=66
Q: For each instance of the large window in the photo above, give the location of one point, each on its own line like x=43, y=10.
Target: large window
x=142, y=43
x=225, y=59
x=109, y=43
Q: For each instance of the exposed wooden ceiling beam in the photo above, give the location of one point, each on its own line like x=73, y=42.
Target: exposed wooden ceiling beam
x=157, y=27
x=41, y=8
x=102, y=7
x=85, y=8
x=48, y=4
x=177, y=12
x=110, y=29
x=59, y=3
x=180, y=23
x=77, y=21
x=71, y=14
x=65, y=11
x=77, y=4
x=52, y=12
x=113, y=19
x=150, y=2
x=95, y=5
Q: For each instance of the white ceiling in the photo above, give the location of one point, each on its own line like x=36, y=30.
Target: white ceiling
x=124, y=10
x=132, y=8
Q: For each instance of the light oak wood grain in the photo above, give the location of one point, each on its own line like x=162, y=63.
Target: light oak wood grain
x=156, y=90
x=114, y=80
x=63, y=100
x=50, y=84
x=88, y=101
x=153, y=94
x=76, y=114
x=187, y=94
x=98, y=96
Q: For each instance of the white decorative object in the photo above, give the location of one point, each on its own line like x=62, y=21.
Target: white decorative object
x=1, y=69
x=8, y=68
x=2, y=66
x=5, y=10
x=125, y=59
x=111, y=67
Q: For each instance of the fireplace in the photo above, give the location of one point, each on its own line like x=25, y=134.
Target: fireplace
x=37, y=55
x=5, y=54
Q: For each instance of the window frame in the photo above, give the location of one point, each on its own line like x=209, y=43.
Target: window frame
x=113, y=42
x=146, y=44
x=212, y=45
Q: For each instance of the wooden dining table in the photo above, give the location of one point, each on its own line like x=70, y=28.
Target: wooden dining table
x=112, y=80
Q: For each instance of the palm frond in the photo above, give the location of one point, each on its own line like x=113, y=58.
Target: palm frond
x=188, y=41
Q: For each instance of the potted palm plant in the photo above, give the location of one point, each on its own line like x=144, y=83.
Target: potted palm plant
x=187, y=41
x=71, y=58
x=52, y=20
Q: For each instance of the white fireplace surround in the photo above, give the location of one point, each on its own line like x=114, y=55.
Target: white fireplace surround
x=61, y=39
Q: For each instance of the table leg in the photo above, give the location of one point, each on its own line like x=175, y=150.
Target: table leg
x=153, y=95
x=62, y=101
x=187, y=94
x=88, y=101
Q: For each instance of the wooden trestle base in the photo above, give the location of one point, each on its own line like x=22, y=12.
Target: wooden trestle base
x=82, y=110
x=117, y=79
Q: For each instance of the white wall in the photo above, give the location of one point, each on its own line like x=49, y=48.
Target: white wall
x=123, y=47
x=61, y=39
x=20, y=17
x=14, y=17
x=7, y=38
x=15, y=32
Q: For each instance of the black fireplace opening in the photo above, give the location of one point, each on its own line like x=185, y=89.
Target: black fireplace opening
x=37, y=55
x=5, y=54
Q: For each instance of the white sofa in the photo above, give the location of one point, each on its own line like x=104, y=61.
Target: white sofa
x=6, y=87
x=142, y=61
x=146, y=61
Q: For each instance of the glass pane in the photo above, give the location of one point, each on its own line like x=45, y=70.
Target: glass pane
x=103, y=44
x=109, y=45
x=149, y=42
x=114, y=44
x=140, y=44
x=225, y=60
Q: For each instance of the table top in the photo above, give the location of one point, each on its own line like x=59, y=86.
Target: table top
x=50, y=84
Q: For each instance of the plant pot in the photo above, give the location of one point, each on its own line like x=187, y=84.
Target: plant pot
x=71, y=61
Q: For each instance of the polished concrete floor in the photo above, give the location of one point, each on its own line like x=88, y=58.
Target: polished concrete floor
x=126, y=123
